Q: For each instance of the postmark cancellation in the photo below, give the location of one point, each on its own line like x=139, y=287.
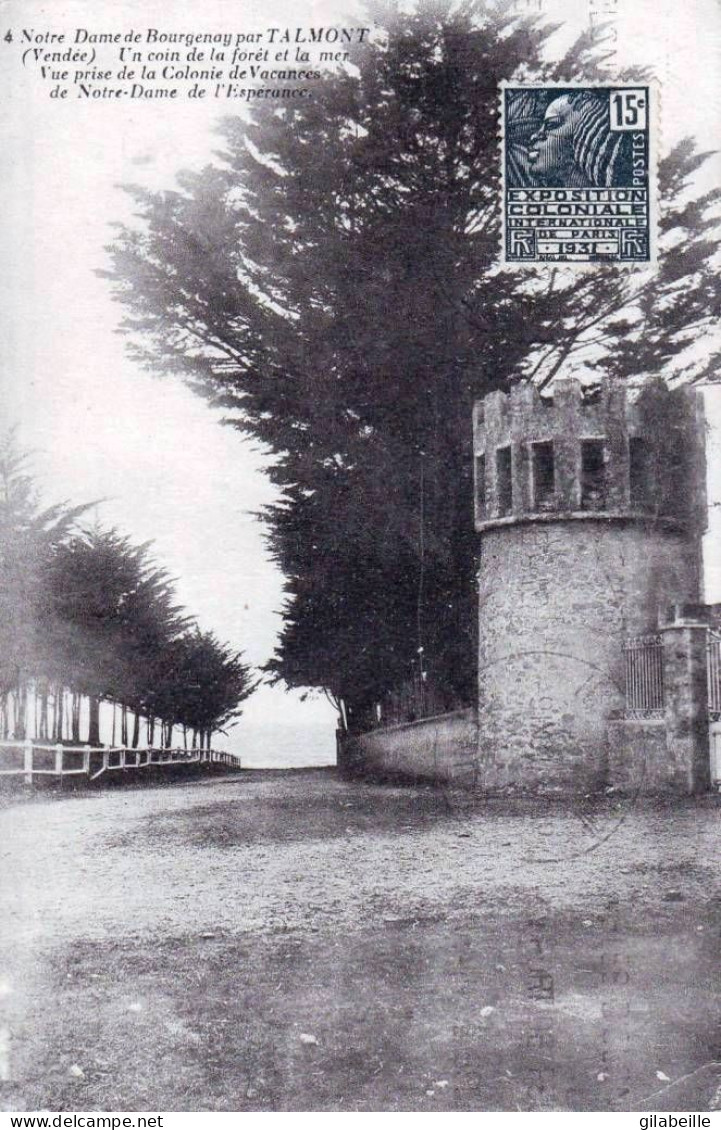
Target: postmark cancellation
x=578, y=173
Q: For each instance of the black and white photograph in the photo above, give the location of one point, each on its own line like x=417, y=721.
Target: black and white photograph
x=360, y=560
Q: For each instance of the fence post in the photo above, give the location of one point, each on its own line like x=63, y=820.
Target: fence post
x=59, y=759
x=28, y=761
x=86, y=760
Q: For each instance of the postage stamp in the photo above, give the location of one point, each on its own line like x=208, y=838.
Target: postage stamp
x=578, y=173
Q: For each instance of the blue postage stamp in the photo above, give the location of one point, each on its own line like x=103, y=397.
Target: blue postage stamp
x=577, y=173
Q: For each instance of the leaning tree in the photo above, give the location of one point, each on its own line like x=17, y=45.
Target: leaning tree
x=332, y=282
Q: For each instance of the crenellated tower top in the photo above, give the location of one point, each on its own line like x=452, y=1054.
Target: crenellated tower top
x=615, y=453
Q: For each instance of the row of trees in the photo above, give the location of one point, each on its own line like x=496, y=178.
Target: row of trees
x=87, y=615
x=333, y=283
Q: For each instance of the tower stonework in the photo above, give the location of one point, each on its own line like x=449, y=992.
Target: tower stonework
x=589, y=510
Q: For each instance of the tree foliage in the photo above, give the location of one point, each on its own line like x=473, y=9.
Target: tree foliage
x=332, y=281
x=89, y=611
x=29, y=535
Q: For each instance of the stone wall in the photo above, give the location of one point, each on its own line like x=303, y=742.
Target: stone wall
x=434, y=749
x=641, y=759
x=557, y=599
x=565, y=740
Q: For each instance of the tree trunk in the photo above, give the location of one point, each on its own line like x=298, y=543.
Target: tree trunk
x=58, y=704
x=43, y=722
x=76, y=718
x=151, y=730
x=124, y=726
x=20, y=708
x=136, y=730
x=93, y=720
x=343, y=715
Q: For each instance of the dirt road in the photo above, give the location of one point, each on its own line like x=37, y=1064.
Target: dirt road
x=295, y=942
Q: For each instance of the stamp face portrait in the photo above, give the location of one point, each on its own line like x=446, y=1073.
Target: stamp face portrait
x=577, y=174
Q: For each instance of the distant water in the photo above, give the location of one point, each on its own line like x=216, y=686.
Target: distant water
x=283, y=729
x=276, y=746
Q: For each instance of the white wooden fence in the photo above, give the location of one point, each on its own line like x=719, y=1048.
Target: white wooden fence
x=28, y=759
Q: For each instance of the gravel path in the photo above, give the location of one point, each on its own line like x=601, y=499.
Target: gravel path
x=265, y=852
x=291, y=941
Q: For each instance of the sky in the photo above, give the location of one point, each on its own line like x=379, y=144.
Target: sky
x=155, y=456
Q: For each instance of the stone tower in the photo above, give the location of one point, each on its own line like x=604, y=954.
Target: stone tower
x=589, y=509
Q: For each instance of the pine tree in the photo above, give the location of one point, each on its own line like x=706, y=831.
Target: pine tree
x=29, y=536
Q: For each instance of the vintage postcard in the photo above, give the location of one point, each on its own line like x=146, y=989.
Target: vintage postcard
x=360, y=561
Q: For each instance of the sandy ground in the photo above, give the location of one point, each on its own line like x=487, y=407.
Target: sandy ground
x=292, y=941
